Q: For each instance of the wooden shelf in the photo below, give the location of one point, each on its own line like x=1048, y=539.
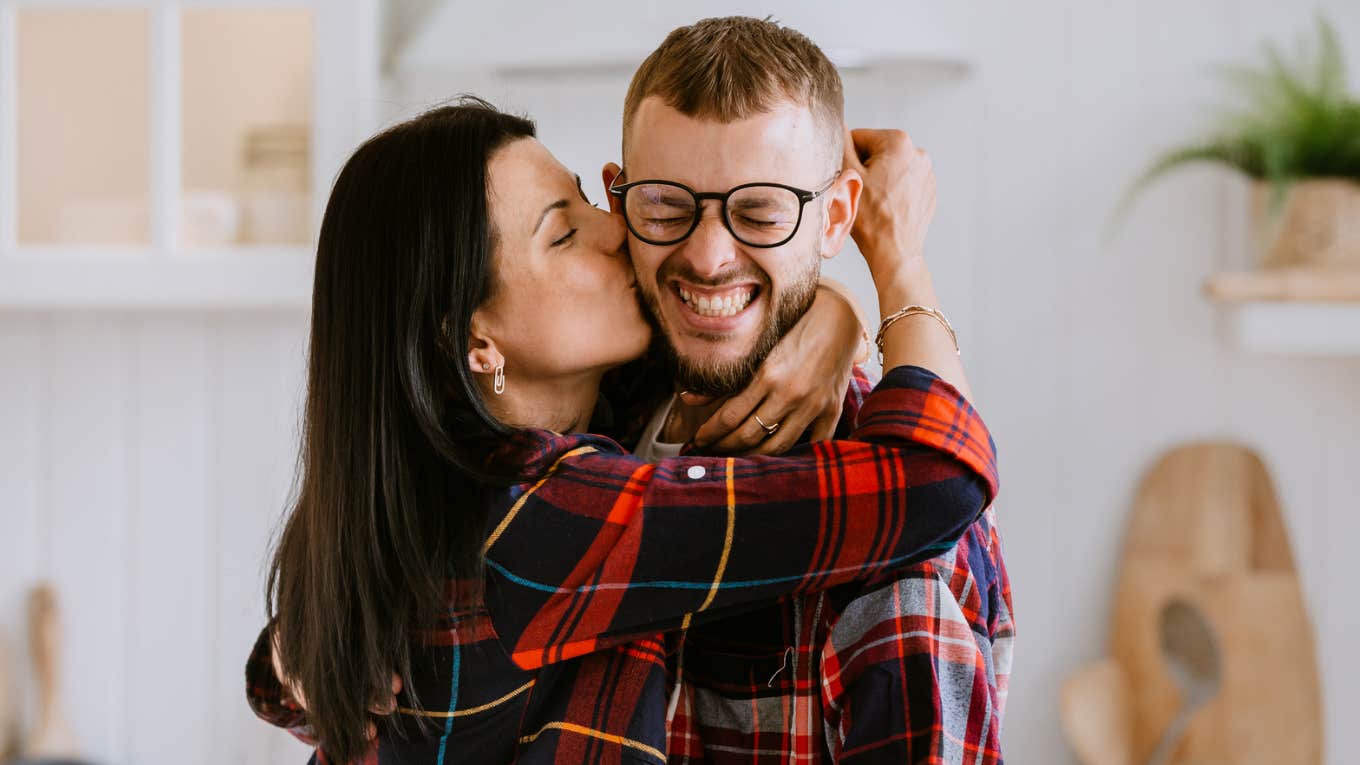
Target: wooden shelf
x=1306, y=285
x=1294, y=311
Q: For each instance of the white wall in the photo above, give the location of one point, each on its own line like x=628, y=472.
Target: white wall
x=144, y=462
x=145, y=459
x=1098, y=356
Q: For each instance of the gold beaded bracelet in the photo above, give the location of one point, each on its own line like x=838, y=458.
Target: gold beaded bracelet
x=910, y=311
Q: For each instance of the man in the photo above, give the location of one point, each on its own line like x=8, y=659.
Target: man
x=908, y=670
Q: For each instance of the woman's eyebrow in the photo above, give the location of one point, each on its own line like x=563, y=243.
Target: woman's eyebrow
x=558, y=205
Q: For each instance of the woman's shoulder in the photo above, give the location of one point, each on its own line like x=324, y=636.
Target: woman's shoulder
x=534, y=451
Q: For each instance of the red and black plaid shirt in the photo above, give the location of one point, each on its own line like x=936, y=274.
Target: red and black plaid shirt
x=563, y=660
x=911, y=666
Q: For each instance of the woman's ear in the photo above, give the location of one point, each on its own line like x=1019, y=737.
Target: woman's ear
x=483, y=355
x=841, y=206
x=608, y=174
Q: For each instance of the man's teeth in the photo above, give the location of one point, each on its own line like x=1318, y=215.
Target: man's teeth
x=730, y=304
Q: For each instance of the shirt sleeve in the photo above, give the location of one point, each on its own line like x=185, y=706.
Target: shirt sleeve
x=266, y=696
x=607, y=547
x=918, y=665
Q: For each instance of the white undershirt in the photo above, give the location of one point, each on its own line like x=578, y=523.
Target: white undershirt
x=650, y=447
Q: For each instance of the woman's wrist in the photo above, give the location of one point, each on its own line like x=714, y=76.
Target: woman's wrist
x=907, y=283
x=918, y=340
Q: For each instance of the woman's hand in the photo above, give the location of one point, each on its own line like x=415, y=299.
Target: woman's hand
x=897, y=203
x=802, y=383
x=293, y=692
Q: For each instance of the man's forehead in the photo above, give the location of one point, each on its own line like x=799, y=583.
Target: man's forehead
x=782, y=144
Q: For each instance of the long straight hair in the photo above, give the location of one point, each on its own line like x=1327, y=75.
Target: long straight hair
x=395, y=431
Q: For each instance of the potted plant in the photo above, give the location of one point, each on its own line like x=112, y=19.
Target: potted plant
x=1296, y=134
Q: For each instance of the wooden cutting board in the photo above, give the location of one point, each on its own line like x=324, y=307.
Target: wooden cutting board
x=1206, y=527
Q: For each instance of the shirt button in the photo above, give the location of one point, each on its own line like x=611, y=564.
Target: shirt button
x=696, y=472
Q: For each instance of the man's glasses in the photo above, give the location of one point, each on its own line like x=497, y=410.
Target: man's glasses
x=757, y=214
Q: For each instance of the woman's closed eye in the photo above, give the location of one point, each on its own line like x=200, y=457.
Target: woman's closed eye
x=564, y=239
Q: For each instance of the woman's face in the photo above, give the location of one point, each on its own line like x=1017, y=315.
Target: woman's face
x=565, y=297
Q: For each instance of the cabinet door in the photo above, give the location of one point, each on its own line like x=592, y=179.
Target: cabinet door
x=174, y=153
x=83, y=95
x=246, y=105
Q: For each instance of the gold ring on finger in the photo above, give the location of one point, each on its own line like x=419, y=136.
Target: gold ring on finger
x=769, y=429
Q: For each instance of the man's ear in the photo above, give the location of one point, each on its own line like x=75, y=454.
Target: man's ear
x=483, y=355
x=608, y=174
x=842, y=204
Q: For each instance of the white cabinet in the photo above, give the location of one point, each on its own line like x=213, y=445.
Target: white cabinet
x=171, y=154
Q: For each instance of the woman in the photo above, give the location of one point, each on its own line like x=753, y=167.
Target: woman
x=459, y=528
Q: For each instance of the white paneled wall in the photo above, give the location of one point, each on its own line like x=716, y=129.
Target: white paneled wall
x=144, y=460
x=144, y=463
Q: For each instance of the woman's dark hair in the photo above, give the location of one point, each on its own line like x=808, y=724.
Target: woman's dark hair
x=395, y=429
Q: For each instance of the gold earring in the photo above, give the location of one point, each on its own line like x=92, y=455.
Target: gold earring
x=499, y=384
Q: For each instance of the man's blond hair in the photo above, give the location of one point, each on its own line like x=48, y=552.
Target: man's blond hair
x=731, y=68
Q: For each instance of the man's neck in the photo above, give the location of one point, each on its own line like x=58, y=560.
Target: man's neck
x=685, y=420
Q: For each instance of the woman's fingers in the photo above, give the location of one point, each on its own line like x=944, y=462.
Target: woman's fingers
x=383, y=710
x=791, y=428
x=390, y=704
x=851, y=159
x=725, y=425
x=752, y=432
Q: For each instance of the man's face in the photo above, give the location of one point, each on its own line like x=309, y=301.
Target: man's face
x=722, y=305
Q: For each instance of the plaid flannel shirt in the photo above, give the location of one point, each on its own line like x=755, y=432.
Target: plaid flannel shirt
x=910, y=667
x=561, y=659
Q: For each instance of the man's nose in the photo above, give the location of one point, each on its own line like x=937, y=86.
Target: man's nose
x=710, y=250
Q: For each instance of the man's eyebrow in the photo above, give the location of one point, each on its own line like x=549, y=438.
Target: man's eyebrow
x=558, y=205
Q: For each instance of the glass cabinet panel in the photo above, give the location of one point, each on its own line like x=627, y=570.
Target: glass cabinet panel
x=247, y=126
x=83, y=97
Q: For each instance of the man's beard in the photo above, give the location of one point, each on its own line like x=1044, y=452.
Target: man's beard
x=725, y=378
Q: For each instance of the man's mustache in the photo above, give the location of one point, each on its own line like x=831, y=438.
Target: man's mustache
x=682, y=271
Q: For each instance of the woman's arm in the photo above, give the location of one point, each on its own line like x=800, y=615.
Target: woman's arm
x=895, y=212
x=607, y=547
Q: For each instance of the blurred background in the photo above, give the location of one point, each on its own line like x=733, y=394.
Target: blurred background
x=162, y=169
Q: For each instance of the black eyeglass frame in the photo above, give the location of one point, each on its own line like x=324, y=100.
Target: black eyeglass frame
x=804, y=196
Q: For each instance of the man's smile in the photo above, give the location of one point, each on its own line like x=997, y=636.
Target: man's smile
x=724, y=309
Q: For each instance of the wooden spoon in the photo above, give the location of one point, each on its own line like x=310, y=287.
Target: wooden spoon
x=9, y=708
x=51, y=740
